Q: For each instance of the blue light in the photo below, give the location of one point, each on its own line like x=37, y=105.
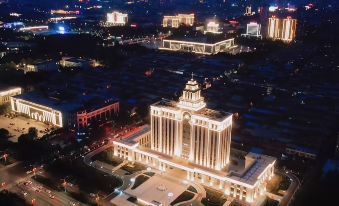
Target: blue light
x=61, y=29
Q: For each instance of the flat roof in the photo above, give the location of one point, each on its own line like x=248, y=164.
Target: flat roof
x=80, y=103
x=205, y=112
x=199, y=38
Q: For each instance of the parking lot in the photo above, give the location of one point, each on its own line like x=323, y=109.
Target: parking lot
x=19, y=125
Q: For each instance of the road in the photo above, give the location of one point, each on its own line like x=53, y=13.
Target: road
x=292, y=189
x=15, y=175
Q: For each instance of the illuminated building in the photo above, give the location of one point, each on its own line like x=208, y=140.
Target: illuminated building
x=202, y=45
x=34, y=28
x=212, y=27
x=253, y=29
x=116, y=19
x=75, y=114
x=274, y=28
x=249, y=11
x=187, y=136
x=282, y=29
x=45, y=65
x=72, y=62
x=64, y=12
x=176, y=21
x=6, y=94
x=289, y=27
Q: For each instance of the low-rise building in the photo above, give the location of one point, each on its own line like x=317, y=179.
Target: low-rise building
x=74, y=114
x=301, y=151
x=176, y=21
x=7, y=93
x=199, y=45
x=73, y=62
x=38, y=66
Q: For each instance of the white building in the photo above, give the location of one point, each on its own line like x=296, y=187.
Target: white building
x=198, y=46
x=6, y=94
x=212, y=27
x=116, y=19
x=253, y=29
x=191, y=138
x=37, y=111
x=176, y=21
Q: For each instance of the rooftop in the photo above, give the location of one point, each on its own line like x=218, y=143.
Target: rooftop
x=205, y=112
x=79, y=103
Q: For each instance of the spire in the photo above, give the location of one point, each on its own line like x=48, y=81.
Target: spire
x=192, y=76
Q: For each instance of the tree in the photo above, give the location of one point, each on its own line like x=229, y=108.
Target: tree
x=32, y=133
x=4, y=133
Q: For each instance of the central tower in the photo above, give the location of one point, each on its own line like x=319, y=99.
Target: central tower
x=190, y=131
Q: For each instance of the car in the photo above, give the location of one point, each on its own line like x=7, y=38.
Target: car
x=51, y=196
x=24, y=193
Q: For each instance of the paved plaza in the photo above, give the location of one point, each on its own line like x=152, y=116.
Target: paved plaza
x=19, y=125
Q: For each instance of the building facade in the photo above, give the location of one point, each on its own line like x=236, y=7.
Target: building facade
x=117, y=19
x=253, y=29
x=6, y=94
x=212, y=27
x=282, y=29
x=38, y=112
x=85, y=118
x=176, y=21
x=198, y=47
x=187, y=136
x=65, y=114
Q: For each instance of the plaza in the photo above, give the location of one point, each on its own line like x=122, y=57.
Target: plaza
x=19, y=125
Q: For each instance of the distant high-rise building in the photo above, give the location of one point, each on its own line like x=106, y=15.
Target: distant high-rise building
x=253, y=30
x=176, y=21
x=282, y=29
x=249, y=11
x=274, y=28
x=289, y=27
x=116, y=18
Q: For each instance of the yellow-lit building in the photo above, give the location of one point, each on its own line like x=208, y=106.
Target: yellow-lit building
x=289, y=27
x=187, y=136
x=176, y=21
x=282, y=29
x=6, y=94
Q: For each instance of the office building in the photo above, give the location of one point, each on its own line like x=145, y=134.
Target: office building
x=282, y=29
x=253, y=29
x=289, y=27
x=190, y=138
x=176, y=21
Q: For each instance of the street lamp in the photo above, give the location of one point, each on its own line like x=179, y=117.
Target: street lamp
x=64, y=184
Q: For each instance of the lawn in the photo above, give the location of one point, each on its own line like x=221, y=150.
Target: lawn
x=185, y=196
